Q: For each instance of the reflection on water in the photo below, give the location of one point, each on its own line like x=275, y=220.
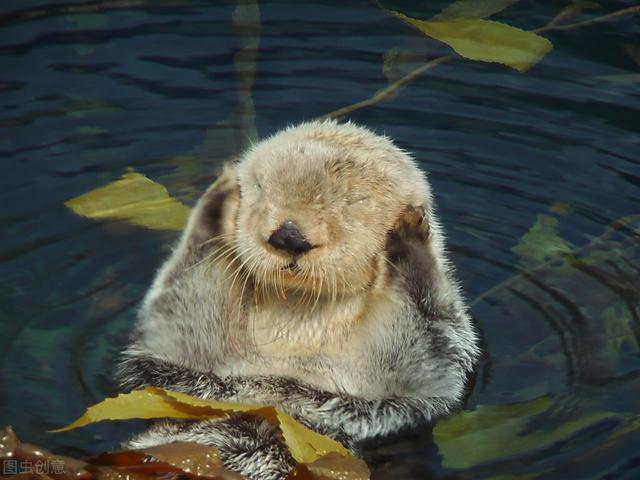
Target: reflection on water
x=532, y=173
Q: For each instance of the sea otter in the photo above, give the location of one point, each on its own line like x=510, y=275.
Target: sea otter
x=311, y=276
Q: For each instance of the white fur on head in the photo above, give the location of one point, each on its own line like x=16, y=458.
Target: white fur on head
x=342, y=185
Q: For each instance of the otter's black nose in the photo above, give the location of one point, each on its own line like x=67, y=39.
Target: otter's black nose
x=290, y=239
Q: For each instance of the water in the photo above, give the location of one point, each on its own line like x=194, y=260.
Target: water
x=172, y=89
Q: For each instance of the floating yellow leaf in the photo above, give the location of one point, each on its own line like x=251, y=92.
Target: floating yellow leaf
x=305, y=445
x=138, y=404
x=510, y=476
x=541, y=241
x=331, y=467
x=133, y=198
x=493, y=432
x=485, y=40
x=618, y=323
x=473, y=9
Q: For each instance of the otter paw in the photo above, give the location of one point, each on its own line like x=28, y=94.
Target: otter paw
x=412, y=223
x=248, y=444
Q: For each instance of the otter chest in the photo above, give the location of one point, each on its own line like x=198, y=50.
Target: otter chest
x=282, y=330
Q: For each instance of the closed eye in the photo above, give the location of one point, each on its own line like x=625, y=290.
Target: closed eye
x=359, y=199
x=257, y=185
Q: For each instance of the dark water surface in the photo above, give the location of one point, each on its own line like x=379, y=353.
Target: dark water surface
x=522, y=165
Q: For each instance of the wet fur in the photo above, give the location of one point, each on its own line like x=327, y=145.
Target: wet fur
x=399, y=349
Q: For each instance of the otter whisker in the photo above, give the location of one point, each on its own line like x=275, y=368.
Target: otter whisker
x=281, y=284
x=346, y=283
x=262, y=290
x=251, y=275
x=250, y=255
x=207, y=257
x=331, y=288
x=222, y=236
x=263, y=283
x=307, y=293
x=238, y=270
x=334, y=288
x=221, y=252
x=237, y=257
x=315, y=304
x=308, y=296
x=229, y=256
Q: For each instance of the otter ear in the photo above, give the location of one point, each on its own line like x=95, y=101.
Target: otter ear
x=214, y=214
x=413, y=222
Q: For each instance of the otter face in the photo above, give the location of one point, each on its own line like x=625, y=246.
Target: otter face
x=314, y=214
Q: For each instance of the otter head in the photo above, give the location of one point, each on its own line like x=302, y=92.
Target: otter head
x=316, y=205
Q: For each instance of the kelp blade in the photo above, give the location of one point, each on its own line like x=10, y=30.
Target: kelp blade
x=305, y=445
x=485, y=40
x=135, y=199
